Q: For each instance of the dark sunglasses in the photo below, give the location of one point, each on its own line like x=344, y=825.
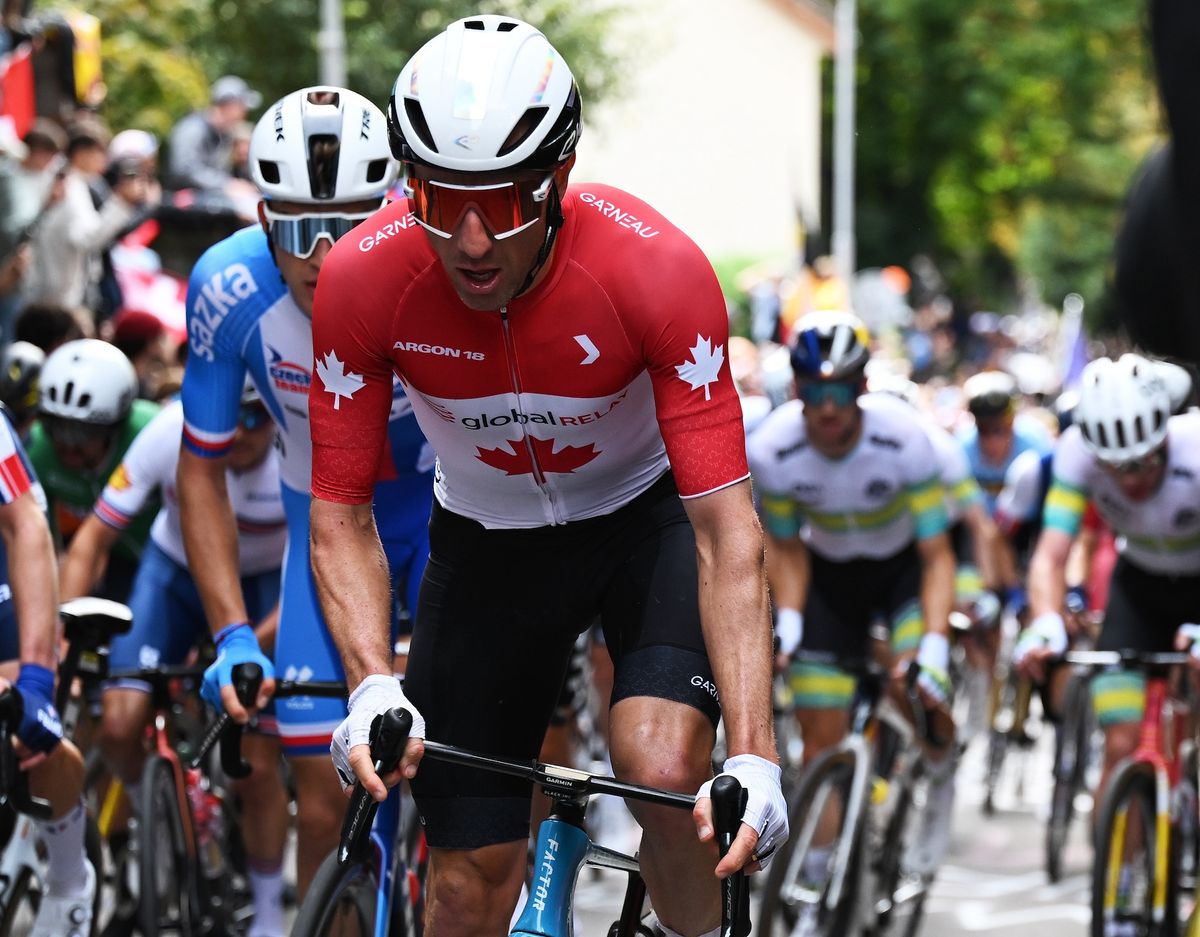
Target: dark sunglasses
x=1147, y=463
x=252, y=416
x=840, y=393
x=66, y=432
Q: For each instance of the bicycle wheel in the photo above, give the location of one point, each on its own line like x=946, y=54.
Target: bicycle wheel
x=22, y=904
x=165, y=867
x=1124, y=887
x=408, y=910
x=340, y=901
x=795, y=896
x=1070, y=762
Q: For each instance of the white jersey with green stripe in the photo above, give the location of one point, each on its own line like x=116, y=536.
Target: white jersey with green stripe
x=871, y=503
x=1160, y=534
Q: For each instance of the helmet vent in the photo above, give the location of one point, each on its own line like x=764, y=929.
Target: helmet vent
x=1120, y=429
x=68, y=392
x=506, y=27
x=1103, y=436
x=1083, y=428
x=269, y=170
x=377, y=170
x=323, y=152
x=1159, y=418
x=474, y=24
x=84, y=400
x=52, y=393
x=524, y=127
x=417, y=118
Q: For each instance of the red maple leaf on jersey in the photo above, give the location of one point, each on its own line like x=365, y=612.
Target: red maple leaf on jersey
x=516, y=462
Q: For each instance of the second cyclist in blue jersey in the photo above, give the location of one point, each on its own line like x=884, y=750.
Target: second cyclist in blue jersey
x=320, y=157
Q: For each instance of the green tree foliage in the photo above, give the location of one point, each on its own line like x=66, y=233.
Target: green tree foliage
x=1000, y=138
x=160, y=56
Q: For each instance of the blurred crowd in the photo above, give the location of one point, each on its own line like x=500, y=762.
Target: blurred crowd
x=77, y=199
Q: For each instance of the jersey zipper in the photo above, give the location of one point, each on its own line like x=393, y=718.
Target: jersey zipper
x=539, y=477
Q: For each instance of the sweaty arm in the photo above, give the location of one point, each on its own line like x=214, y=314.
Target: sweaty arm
x=86, y=558
x=31, y=567
x=210, y=537
x=353, y=585
x=937, y=582
x=1047, y=576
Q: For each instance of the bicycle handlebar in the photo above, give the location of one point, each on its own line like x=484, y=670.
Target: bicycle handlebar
x=1142, y=660
x=389, y=734
x=14, y=783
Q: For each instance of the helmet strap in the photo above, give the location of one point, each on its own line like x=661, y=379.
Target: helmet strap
x=554, y=222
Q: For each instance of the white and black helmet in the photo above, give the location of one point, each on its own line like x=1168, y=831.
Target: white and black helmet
x=1123, y=407
x=89, y=381
x=322, y=144
x=488, y=93
x=830, y=345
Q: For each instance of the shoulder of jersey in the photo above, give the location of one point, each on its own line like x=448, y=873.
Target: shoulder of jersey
x=604, y=209
x=237, y=270
x=391, y=225
x=888, y=427
x=780, y=435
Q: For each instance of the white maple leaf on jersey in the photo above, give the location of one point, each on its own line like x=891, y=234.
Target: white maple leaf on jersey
x=337, y=382
x=705, y=365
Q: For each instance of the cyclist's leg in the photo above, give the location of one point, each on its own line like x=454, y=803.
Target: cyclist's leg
x=665, y=708
x=168, y=619
x=498, y=615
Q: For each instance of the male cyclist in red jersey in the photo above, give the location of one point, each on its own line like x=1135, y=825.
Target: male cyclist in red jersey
x=564, y=352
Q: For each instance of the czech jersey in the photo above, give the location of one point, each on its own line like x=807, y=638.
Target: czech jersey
x=149, y=466
x=1160, y=534
x=871, y=503
x=1028, y=434
x=242, y=318
x=565, y=404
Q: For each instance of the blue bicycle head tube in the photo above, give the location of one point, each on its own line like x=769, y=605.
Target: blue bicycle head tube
x=561, y=850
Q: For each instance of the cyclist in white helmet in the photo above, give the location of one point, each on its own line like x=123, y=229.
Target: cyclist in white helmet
x=88, y=417
x=1140, y=466
x=320, y=158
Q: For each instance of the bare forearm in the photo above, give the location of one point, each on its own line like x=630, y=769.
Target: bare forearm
x=86, y=559
x=737, y=633
x=34, y=579
x=788, y=572
x=351, y=575
x=210, y=539
x=1047, y=579
x=937, y=585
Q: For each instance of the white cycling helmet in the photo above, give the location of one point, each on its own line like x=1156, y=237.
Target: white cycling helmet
x=322, y=144
x=488, y=93
x=89, y=381
x=1123, y=407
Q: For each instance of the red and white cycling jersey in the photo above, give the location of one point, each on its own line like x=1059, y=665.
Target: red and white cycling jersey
x=565, y=404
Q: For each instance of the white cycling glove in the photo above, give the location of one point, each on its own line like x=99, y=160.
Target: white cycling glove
x=766, y=810
x=933, y=657
x=376, y=694
x=1047, y=630
x=1191, y=633
x=789, y=626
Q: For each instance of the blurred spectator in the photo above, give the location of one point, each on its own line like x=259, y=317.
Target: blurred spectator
x=200, y=143
x=145, y=341
x=132, y=155
x=70, y=235
x=47, y=326
x=40, y=157
x=239, y=155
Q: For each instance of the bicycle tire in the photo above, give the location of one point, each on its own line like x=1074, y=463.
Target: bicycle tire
x=165, y=868
x=889, y=861
x=1070, y=762
x=1131, y=788
x=340, y=900
x=22, y=906
x=409, y=895
x=785, y=898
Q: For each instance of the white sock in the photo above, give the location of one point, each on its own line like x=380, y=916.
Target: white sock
x=267, y=888
x=67, y=870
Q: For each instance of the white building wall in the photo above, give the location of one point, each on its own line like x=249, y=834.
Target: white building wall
x=718, y=125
